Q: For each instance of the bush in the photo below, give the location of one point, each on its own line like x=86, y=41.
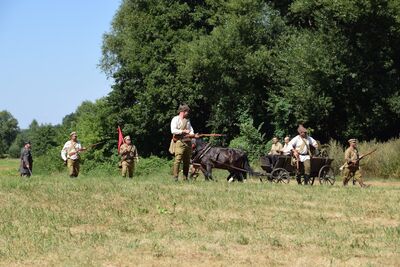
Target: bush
x=250, y=140
x=48, y=163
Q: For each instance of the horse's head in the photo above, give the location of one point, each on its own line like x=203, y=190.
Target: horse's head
x=197, y=146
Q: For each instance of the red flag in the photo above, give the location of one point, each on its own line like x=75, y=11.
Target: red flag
x=120, y=138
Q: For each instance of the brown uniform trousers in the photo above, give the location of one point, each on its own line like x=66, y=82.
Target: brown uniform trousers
x=183, y=152
x=351, y=171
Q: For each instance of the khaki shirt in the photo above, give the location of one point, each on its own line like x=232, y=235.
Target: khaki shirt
x=128, y=152
x=276, y=149
x=349, y=155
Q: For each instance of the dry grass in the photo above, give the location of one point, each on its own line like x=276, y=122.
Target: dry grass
x=152, y=221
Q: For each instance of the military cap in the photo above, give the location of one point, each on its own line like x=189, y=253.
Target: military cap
x=127, y=137
x=183, y=108
x=72, y=133
x=352, y=140
x=301, y=129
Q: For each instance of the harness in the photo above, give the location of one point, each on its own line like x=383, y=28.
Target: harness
x=202, y=152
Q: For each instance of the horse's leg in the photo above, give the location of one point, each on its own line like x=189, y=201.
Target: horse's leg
x=209, y=172
x=231, y=176
x=204, y=171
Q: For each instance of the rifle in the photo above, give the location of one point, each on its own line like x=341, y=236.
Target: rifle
x=86, y=148
x=177, y=137
x=361, y=157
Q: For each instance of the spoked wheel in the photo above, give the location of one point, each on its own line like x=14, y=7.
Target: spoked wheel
x=326, y=175
x=280, y=175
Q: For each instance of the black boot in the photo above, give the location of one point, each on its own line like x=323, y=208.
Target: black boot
x=306, y=179
x=298, y=178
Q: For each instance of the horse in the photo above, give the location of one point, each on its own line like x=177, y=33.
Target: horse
x=207, y=157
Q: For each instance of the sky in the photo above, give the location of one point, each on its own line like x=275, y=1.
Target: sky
x=49, y=56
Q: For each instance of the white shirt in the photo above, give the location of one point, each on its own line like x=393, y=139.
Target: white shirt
x=67, y=147
x=176, y=124
x=286, y=149
x=297, y=143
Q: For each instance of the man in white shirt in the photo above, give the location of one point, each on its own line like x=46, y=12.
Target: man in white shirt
x=181, y=144
x=70, y=154
x=300, y=146
x=286, y=148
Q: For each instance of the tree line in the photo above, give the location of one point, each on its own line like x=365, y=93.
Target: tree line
x=241, y=65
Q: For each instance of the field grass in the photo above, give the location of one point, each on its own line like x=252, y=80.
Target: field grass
x=153, y=221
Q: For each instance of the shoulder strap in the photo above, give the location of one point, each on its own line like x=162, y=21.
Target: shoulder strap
x=184, y=124
x=305, y=144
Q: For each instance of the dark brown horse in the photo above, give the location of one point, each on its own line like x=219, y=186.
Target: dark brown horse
x=207, y=157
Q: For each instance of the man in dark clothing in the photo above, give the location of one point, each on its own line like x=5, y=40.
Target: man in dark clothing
x=25, y=168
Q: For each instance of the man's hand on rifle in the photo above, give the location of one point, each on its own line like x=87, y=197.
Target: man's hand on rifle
x=79, y=150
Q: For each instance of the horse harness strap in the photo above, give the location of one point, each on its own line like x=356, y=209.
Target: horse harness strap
x=202, y=152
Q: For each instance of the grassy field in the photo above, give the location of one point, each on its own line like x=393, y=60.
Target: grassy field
x=153, y=221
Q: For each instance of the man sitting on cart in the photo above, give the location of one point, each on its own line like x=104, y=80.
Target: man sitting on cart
x=275, y=151
x=286, y=150
x=300, y=147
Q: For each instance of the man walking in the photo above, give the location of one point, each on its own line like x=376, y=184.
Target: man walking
x=70, y=154
x=352, y=164
x=300, y=146
x=25, y=168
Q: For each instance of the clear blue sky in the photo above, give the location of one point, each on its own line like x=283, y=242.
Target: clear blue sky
x=49, y=56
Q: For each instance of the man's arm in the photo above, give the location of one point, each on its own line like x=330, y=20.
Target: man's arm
x=174, y=126
x=25, y=158
x=313, y=142
x=64, y=152
x=292, y=146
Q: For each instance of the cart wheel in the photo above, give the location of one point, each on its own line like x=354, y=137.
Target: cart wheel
x=280, y=175
x=326, y=175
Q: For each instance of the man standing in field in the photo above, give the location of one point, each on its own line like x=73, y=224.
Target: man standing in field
x=181, y=144
x=128, y=154
x=25, y=168
x=352, y=164
x=300, y=146
x=70, y=154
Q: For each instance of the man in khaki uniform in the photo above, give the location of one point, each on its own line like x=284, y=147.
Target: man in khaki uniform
x=352, y=164
x=70, y=154
x=128, y=154
x=181, y=145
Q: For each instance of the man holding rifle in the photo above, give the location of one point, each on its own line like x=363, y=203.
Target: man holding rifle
x=70, y=154
x=352, y=164
x=181, y=143
x=128, y=154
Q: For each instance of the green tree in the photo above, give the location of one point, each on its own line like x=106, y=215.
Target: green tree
x=8, y=130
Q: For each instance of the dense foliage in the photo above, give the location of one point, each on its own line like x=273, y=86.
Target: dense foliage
x=248, y=68
x=331, y=65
